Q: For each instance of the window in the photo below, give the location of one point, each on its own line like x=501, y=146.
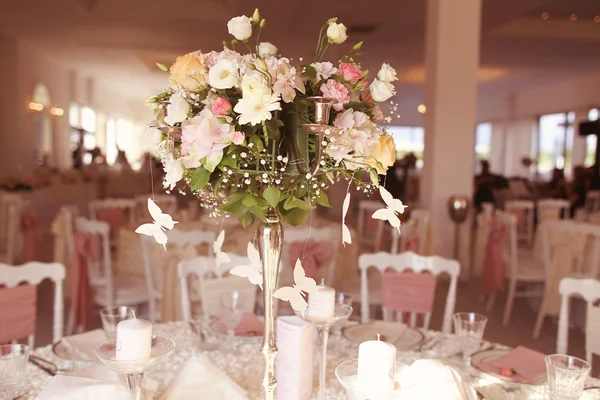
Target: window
x=591, y=141
x=483, y=140
x=408, y=139
x=555, y=140
x=83, y=118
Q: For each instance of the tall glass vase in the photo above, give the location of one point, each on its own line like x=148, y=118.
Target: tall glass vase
x=269, y=238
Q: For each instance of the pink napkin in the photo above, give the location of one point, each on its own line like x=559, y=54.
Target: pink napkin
x=250, y=325
x=529, y=365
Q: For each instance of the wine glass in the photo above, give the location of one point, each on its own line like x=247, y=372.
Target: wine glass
x=469, y=327
x=111, y=316
x=200, y=326
x=566, y=376
x=13, y=360
x=340, y=298
x=231, y=311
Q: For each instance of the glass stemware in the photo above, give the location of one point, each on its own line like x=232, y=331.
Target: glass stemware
x=13, y=359
x=347, y=375
x=111, y=316
x=340, y=299
x=566, y=376
x=231, y=311
x=469, y=328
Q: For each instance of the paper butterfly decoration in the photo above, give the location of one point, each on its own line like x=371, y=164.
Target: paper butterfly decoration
x=303, y=285
x=222, y=258
x=253, y=271
x=346, y=237
x=157, y=228
x=393, y=208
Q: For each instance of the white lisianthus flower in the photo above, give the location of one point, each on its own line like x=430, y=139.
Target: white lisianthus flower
x=174, y=172
x=255, y=85
x=177, y=109
x=387, y=73
x=254, y=110
x=224, y=74
x=381, y=91
x=266, y=49
x=324, y=69
x=336, y=33
x=240, y=27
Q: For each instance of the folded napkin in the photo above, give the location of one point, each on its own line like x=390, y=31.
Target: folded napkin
x=250, y=325
x=435, y=380
x=83, y=345
x=529, y=365
x=201, y=379
x=389, y=331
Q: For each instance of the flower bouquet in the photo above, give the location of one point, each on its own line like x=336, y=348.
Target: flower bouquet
x=240, y=125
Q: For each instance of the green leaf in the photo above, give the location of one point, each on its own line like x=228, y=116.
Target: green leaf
x=258, y=212
x=162, y=67
x=272, y=127
x=200, y=178
x=258, y=144
x=294, y=217
x=310, y=71
x=246, y=219
x=272, y=196
x=234, y=204
x=357, y=46
x=323, y=199
x=294, y=202
x=374, y=177
x=250, y=200
x=228, y=161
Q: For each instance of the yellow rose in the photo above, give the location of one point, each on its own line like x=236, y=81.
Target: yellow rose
x=384, y=152
x=188, y=71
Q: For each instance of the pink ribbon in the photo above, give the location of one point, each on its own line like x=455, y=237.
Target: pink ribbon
x=408, y=292
x=410, y=242
x=115, y=217
x=29, y=229
x=521, y=217
x=313, y=255
x=493, y=273
x=17, y=319
x=81, y=292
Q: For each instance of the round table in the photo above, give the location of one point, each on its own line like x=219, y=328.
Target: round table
x=242, y=361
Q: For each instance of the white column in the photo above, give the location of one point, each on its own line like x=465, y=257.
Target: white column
x=452, y=60
x=579, y=142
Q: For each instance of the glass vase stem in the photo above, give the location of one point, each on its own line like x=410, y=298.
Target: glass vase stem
x=323, y=333
x=134, y=384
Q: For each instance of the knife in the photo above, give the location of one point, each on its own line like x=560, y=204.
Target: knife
x=41, y=366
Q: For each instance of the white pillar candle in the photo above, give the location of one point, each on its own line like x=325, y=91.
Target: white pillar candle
x=321, y=304
x=376, y=359
x=134, y=339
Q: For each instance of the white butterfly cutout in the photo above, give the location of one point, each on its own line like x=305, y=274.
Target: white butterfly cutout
x=393, y=208
x=157, y=228
x=346, y=237
x=222, y=258
x=253, y=271
x=294, y=294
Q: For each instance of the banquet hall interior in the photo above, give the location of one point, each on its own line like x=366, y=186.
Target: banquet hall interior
x=495, y=123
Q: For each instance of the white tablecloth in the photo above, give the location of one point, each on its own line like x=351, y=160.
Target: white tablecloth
x=242, y=361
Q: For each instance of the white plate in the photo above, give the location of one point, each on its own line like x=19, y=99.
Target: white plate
x=66, y=353
x=484, y=356
x=411, y=337
x=217, y=328
x=591, y=393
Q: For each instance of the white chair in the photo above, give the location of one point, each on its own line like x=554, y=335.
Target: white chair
x=34, y=273
x=300, y=235
x=525, y=210
x=370, y=239
x=519, y=268
x=592, y=201
x=409, y=261
x=166, y=202
x=202, y=268
x=10, y=231
x=589, y=289
x=178, y=238
x=552, y=209
x=128, y=206
x=107, y=292
x=420, y=223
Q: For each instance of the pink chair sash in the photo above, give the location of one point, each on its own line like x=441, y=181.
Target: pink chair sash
x=29, y=229
x=313, y=255
x=115, y=217
x=521, y=216
x=410, y=242
x=17, y=319
x=408, y=292
x=493, y=274
x=81, y=292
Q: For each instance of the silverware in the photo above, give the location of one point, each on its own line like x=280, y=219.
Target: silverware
x=41, y=365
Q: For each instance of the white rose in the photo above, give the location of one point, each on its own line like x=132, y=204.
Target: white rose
x=240, y=27
x=223, y=75
x=266, y=49
x=387, y=73
x=381, y=91
x=177, y=109
x=336, y=33
x=174, y=172
x=254, y=85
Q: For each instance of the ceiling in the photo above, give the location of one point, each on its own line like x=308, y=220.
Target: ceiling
x=119, y=41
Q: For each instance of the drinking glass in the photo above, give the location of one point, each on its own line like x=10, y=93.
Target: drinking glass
x=111, y=316
x=231, y=310
x=469, y=327
x=13, y=359
x=566, y=376
x=341, y=298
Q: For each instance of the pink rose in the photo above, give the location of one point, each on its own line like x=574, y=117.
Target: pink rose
x=337, y=92
x=238, y=137
x=350, y=72
x=378, y=113
x=221, y=106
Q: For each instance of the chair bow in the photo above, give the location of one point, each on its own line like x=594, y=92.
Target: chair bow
x=411, y=242
x=313, y=255
x=85, y=248
x=29, y=230
x=493, y=273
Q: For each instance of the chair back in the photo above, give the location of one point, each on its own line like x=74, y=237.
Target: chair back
x=524, y=211
x=418, y=264
x=589, y=289
x=19, y=311
x=127, y=206
x=418, y=226
x=166, y=202
x=510, y=250
x=552, y=209
x=11, y=207
x=592, y=201
x=192, y=272
x=366, y=236
x=299, y=236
